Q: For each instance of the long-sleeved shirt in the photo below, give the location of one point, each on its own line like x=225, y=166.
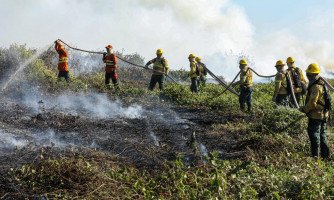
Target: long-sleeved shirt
x=315, y=101
x=246, y=78
x=280, y=84
x=63, y=57
x=111, y=62
x=160, y=66
x=193, y=69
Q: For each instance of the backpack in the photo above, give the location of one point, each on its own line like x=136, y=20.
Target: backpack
x=288, y=88
x=327, y=96
x=296, y=78
x=198, y=69
x=328, y=99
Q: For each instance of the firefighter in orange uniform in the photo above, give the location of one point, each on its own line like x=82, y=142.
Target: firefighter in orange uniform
x=110, y=61
x=63, y=61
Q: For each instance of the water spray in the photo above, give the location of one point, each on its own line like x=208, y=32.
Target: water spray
x=23, y=66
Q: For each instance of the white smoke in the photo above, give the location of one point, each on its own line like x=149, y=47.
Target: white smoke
x=10, y=139
x=217, y=30
x=88, y=105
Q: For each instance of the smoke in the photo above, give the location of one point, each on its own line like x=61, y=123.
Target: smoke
x=218, y=30
x=9, y=141
x=89, y=105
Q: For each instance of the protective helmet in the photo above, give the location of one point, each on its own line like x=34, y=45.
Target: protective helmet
x=290, y=60
x=109, y=46
x=198, y=59
x=191, y=56
x=243, y=62
x=279, y=63
x=159, y=51
x=313, y=69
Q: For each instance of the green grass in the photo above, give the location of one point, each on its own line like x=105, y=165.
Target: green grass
x=276, y=162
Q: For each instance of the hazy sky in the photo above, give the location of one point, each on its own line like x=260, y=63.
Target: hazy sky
x=220, y=31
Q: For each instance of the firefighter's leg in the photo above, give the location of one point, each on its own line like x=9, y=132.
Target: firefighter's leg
x=153, y=82
x=115, y=80
x=324, y=148
x=107, y=80
x=161, y=80
x=249, y=98
x=67, y=76
x=313, y=131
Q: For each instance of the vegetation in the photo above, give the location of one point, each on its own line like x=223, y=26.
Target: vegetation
x=274, y=162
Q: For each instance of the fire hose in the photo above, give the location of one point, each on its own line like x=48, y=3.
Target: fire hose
x=228, y=87
x=221, y=82
x=99, y=52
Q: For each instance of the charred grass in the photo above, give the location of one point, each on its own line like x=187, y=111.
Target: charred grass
x=258, y=155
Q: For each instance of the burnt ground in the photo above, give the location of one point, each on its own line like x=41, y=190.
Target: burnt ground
x=160, y=133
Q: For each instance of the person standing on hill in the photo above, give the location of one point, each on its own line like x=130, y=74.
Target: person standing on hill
x=160, y=68
x=63, y=61
x=281, y=94
x=201, y=72
x=317, y=108
x=193, y=73
x=297, y=78
x=246, y=86
x=110, y=60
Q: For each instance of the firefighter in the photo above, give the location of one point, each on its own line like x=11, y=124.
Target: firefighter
x=110, y=60
x=297, y=78
x=63, y=61
x=201, y=72
x=246, y=86
x=160, y=69
x=193, y=73
x=281, y=94
x=317, y=108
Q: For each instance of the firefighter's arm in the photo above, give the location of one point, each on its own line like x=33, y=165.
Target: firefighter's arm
x=166, y=67
x=249, y=76
x=192, y=69
x=57, y=45
x=149, y=63
x=278, y=84
x=313, y=99
x=115, y=60
x=301, y=75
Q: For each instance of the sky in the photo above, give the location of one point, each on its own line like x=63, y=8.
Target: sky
x=219, y=31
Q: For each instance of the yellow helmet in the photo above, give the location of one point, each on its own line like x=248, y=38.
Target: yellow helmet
x=279, y=63
x=313, y=69
x=198, y=59
x=243, y=62
x=160, y=51
x=191, y=56
x=290, y=60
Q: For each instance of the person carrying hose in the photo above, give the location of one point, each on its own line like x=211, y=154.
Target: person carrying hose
x=317, y=108
x=246, y=84
x=63, y=61
x=193, y=73
x=297, y=78
x=160, y=68
x=201, y=72
x=110, y=60
x=281, y=94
